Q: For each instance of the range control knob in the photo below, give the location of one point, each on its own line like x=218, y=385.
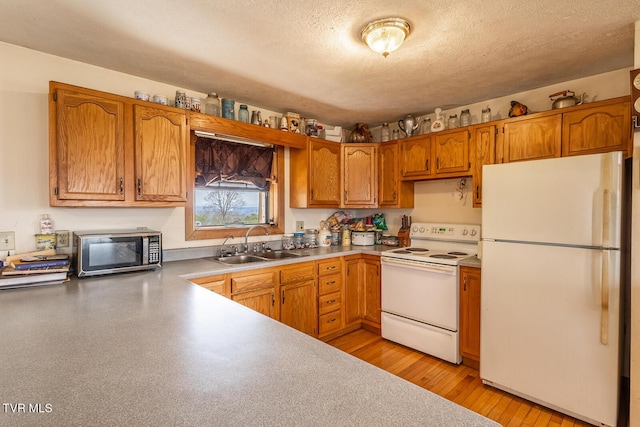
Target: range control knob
x=421, y=229
x=414, y=228
x=474, y=232
x=465, y=232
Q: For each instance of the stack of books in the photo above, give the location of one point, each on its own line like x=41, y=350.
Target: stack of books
x=35, y=269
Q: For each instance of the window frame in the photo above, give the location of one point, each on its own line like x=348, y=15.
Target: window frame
x=276, y=206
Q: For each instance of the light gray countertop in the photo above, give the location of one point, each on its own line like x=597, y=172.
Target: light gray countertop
x=151, y=348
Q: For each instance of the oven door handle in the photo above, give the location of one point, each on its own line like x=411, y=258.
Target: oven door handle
x=418, y=265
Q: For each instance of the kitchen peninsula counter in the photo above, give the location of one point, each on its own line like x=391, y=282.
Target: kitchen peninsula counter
x=151, y=348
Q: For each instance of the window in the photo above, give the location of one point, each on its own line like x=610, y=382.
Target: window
x=235, y=185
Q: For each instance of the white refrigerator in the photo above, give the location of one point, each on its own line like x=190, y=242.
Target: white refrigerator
x=550, y=296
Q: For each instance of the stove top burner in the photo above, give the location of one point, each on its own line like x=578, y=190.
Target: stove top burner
x=443, y=256
x=458, y=253
x=417, y=249
x=401, y=251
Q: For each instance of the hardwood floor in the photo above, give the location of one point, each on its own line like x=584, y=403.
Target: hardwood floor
x=459, y=384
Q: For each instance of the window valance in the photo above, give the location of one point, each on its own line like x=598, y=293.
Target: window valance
x=218, y=161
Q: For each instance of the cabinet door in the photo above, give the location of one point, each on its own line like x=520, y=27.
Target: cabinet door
x=415, y=157
x=451, y=152
x=89, y=147
x=389, y=176
x=530, y=139
x=324, y=173
x=470, y=313
x=298, y=306
x=353, y=306
x=484, y=140
x=372, y=305
x=596, y=130
x=360, y=171
x=161, y=141
x=261, y=300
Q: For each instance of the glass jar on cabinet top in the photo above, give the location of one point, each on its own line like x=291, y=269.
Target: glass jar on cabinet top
x=212, y=105
x=465, y=118
x=453, y=122
x=385, y=132
x=425, y=126
x=486, y=115
x=228, y=109
x=243, y=114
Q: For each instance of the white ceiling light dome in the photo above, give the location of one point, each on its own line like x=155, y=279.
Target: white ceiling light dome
x=385, y=35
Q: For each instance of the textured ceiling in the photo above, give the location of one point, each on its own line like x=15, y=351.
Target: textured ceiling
x=308, y=57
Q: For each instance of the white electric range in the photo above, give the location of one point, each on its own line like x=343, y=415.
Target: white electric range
x=420, y=290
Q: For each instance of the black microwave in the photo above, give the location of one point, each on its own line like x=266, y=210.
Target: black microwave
x=116, y=251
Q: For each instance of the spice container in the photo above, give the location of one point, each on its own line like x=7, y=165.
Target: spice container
x=287, y=242
x=298, y=240
x=311, y=238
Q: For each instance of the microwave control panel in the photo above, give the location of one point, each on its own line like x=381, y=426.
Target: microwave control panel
x=154, y=249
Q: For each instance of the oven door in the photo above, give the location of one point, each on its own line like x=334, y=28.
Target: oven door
x=421, y=291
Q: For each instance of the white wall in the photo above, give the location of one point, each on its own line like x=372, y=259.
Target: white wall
x=24, y=78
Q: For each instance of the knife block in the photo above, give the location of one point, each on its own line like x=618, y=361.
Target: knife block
x=403, y=238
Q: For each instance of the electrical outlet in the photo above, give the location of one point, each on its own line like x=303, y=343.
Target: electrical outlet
x=62, y=238
x=299, y=225
x=7, y=240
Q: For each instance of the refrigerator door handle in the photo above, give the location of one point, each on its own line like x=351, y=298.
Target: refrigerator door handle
x=604, y=300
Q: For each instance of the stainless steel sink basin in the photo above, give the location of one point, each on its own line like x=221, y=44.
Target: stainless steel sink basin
x=239, y=259
x=255, y=257
x=278, y=255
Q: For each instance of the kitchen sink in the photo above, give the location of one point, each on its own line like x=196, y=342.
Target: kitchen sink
x=255, y=257
x=278, y=255
x=238, y=259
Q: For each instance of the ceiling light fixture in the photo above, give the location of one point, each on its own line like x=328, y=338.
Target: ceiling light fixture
x=385, y=35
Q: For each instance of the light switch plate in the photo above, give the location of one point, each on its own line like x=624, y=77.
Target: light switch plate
x=299, y=225
x=7, y=240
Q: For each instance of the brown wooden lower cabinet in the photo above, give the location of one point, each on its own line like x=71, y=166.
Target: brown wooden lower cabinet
x=323, y=299
x=362, y=291
x=298, y=298
x=470, y=315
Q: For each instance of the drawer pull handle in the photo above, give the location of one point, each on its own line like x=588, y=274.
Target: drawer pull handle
x=331, y=320
x=331, y=301
x=333, y=282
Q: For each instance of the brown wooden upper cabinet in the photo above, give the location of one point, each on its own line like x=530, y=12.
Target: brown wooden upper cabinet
x=392, y=192
x=109, y=150
x=484, y=148
x=532, y=138
x=597, y=129
x=360, y=175
x=438, y=155
x=315, y=175
x=415, y=157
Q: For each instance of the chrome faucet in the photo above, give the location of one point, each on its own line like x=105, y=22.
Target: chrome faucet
x=246, y=236
x=222, y=251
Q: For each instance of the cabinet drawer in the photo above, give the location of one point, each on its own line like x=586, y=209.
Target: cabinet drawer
x=331, y=302
x=252, y=282
x=298, y=273
x=331, y=283
x=213, y=283
x=330, y=322
x=330, y=266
